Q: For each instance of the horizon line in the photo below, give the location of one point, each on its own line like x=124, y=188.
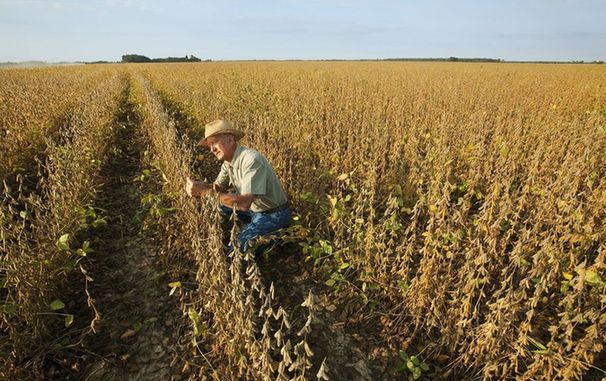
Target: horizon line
x=447, y=59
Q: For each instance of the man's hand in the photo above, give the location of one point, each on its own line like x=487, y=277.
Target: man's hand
x=195, y=188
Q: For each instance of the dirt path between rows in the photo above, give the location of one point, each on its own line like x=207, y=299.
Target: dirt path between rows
x=140, y=326
x=140, y=322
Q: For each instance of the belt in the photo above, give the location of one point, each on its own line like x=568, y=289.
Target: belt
x=276, y=209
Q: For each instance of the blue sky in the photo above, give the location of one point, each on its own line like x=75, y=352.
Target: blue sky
x=70, y=30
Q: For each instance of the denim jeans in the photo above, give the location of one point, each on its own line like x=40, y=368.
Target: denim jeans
x=258, y=224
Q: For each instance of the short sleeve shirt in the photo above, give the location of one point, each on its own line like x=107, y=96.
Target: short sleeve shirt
x=249, y=172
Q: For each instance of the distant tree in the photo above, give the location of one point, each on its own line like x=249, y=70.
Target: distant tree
x=140, y=58
x=135, y=58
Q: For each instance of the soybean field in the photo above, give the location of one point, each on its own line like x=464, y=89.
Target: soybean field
x=449, y=223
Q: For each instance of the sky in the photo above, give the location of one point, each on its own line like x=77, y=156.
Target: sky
x=70, y=30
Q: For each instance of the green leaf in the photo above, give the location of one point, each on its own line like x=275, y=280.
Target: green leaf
x=403, y=355
x=397, y=189
x=69, y=319
x=57, y=304
x=344, y=266
x=593, y=278
x=333, y=200
x=62, y=243
x=62, y=246
x=403, y=286
x=410, y=365
x=325, y=246
x=98, y=222
x=315, y=252
x=415, y=360
x=195, y=318
x=90, y=212
x=331, y=282
x=8, y=309
x=424, y=367
x=86, y=247
x=137, y=326
x=174, y=286
x=537, y=343
x=193, y=315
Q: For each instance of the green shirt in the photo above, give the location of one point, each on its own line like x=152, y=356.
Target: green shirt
x=249, y=172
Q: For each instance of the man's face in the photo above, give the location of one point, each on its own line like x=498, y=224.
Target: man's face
x=222, y=146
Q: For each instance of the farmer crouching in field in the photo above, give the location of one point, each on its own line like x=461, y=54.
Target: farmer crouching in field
x=260, y=201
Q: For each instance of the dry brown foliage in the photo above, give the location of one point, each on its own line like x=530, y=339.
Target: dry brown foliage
x=472, y=195
x=34, y=105
x=34, y=259
x=233, y=312
x=468, y=198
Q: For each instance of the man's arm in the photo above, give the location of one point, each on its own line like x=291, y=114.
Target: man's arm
x=240, y=201
x=198, y=188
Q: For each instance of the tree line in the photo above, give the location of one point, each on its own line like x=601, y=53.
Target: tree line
x=140, y=58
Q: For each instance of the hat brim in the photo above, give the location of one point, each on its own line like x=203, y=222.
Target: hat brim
x=236, y=133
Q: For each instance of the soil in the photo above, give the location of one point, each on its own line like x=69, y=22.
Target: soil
x=140, y=322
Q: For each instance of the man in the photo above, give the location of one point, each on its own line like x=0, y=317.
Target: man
x=259, y=199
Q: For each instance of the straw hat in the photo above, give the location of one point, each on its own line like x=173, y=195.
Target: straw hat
x=219, y=127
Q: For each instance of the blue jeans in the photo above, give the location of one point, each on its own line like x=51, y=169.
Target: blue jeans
x=258, y=224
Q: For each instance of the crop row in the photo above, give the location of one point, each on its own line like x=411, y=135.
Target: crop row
x=467, y=199
x=38, y=230
x=34, y=105
x=237, y=325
